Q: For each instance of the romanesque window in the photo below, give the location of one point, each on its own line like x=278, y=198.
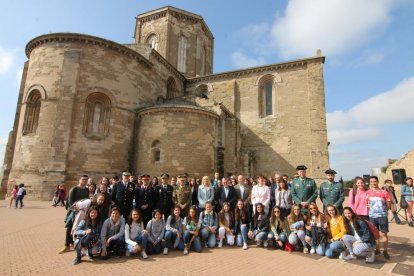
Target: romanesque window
x=156, y=151
x=31, y=117
x=153, y=41
x=97, y=115
x=171, y=88
x=182, y=54
x=202, y=91
x=266, y=96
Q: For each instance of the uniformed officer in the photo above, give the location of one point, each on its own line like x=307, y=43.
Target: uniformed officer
x=123, y=194
x=331, y=192
x=304, y=190
x=182, y=195
x=144, y=198
x=163, y=196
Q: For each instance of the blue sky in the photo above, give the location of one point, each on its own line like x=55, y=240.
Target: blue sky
x=369, y=49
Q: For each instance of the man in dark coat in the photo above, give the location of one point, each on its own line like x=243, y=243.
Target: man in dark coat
x=123, y=194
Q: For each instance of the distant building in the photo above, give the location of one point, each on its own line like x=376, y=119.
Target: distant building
x=94, y=106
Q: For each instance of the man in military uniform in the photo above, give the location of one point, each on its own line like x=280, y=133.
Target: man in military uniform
x=182, y=195
x=304, y=190
x=163, y=196
x=123, y=194
x=331, y=192
x=144, y=198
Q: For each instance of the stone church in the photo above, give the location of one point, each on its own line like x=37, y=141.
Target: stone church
x=94, y=106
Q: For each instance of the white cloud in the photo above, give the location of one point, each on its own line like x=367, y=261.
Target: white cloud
x=19, y=74
x=335, y=26
x=240, y=60
x=7, y=59
x=369, y=57
x=364, y=120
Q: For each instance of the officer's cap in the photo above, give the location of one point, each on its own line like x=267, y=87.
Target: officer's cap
x=165, y=175
x=126, y=173
x=301, y=168
x=145, y=176
x=330, y=171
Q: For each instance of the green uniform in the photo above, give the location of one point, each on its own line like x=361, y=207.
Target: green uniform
x=304, y=190
x=182, y=197
x=332, y=193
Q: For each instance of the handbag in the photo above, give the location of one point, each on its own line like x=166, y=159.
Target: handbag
x=288, y=247
x=403, y=202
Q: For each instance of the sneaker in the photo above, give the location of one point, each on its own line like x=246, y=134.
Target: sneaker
x=312, y=251
x=265, y=244
x=90, y=257
x=343, y=255
x=377, y=252
x=127, y=253
x=165, y=251
x=244, y=246
x=76, y=261
x=350, y=257
x=185, y=251
x=205, y=245
x=220, y=244
x=386, y=255
x=144, y=255
x=370, y=257
x=411, y=224
x=305, y=250
x=258, y=243
x=64, y=249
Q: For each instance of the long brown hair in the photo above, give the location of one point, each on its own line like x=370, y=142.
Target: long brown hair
x=240, y=214
x=195, y=216
x=355, y=187
x=292, y=218
x=222, y=217
x=319, y=217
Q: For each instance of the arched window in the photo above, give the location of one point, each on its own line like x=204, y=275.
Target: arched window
x=266, y=96
x=156, y=151
x=153, y=41
x=202, y=91
x=182, y=54
x=31, y=117
x=171, y=88
x=97, y=115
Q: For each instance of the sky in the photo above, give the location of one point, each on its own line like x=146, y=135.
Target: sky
x=368, y=72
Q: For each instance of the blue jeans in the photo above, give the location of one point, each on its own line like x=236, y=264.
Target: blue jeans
x=196, y=244
x=115, y=245
x=142, y=240
x=242, y=236
x=169, y=238
x=297, y=235
x=333, y=249
x=282, y=237
x=260, y=236
x=19, y=198
x=208, y=237
x=153, y=249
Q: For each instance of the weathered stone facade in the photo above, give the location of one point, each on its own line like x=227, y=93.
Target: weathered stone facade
x=154, y=106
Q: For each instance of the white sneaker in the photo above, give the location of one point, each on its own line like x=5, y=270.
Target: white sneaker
x=370, y=257
x=265, y=244
x=144, y=254
x=127, y=253
x=313, y=251
x=185, y=251
x=166, y=251
x=220, y=244
x=350, y=257
x=244, y=246
x=342, y=256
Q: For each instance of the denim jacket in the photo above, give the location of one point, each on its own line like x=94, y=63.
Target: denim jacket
x=407, y=192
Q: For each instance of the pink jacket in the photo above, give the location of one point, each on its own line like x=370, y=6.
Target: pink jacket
x=359, y=204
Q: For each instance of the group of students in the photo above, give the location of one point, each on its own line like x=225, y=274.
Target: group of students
x=283, y=215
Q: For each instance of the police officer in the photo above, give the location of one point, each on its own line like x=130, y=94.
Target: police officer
x=123, y=194
x=144, y=198
x=182, y=195
x=304, y=190
x=163, y=196
x=331, y=192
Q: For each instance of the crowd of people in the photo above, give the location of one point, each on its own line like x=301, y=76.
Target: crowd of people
x=151, y=216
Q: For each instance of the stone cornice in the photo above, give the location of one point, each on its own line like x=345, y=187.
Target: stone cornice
x=254, y=70
x=85, y=39
x=176, y=108
x=177, y=13
x=168, y=65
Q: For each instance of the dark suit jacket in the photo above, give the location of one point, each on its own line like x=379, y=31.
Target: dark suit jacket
x=231, y=197
x=123, y=196
x=246, y=195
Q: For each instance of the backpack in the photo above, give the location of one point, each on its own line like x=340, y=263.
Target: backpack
x=374, y=230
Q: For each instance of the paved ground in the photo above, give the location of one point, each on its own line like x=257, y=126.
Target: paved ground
x=32, y=236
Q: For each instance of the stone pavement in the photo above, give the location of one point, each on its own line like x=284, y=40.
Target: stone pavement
x=32, y=236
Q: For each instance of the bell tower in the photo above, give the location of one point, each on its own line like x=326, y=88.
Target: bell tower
x=181, y=37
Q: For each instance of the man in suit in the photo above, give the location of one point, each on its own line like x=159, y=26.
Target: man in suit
x=145, y=198
x=226, y=193
x=164, y=196
x=304, y=190
x=123, y=194
x=243, y=191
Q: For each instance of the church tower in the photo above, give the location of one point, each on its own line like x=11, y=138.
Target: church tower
x=181, y=37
